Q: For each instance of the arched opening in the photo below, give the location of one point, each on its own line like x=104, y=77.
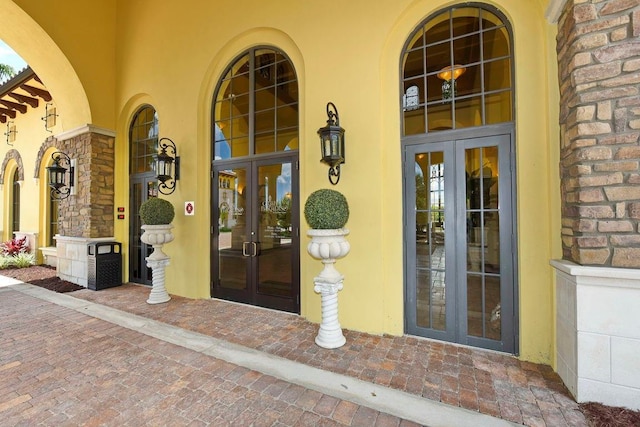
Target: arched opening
x=458, y=147
x=255, y=220
x=15, y=203
x=143, y=145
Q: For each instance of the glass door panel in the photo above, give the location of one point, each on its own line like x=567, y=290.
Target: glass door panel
x=459, y=257
x=483, y=241
x=233, y=244
x=429, y=294
x=275, y=230
x=255, y=245
x=142, y=186
x=430, y=237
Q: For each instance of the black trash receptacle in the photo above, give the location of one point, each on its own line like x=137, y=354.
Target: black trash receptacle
x=104, y=265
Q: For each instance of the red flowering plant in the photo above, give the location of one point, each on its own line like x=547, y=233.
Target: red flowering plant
x=15, y=246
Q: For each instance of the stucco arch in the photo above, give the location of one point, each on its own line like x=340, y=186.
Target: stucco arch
x=259, y=36
x=130, y=108
x=535, y=135
x=254, y=37
x=43, y=153
x=39, y=50
x=12, y=154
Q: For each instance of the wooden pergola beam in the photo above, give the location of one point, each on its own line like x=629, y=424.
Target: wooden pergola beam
x=34, y=91
x=14, y=105
x=25, y=99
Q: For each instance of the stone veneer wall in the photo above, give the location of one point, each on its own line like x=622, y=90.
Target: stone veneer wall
x=89, y=213
x=598, y=46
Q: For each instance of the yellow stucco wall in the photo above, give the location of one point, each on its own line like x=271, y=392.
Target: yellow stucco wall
x=33, y=195
x=171, y=58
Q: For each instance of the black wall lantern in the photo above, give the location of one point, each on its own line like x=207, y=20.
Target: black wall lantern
x=165, y=164
x=57, y=176
x=332, y=143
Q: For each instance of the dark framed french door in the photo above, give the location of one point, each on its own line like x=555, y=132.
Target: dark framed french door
x=141, y=187
x=255, y=232
x=460, y=281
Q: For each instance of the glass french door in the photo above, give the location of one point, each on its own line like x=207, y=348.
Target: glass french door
x=255, y=242
x=459, y=223
x=142, y=186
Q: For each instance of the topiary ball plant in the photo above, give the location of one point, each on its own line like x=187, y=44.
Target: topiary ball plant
x=326, y=209
x=156, y=211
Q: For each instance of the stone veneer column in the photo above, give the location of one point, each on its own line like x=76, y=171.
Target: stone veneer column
x=90, y=212
x=598, y=281
x=86, y=217
x=599, y=71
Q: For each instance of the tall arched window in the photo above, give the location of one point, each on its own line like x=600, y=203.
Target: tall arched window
x=457, y=72
x=256, y=106
x=255, y=182
x=458, y=148
x=53, y=220
x=15, y=204
x=143, y=145
x=143, y=136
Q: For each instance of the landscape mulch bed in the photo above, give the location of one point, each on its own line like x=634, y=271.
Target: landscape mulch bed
x=43, y=276
x=597, y=415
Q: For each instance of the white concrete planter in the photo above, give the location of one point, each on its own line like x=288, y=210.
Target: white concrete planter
x=597, y=334
x=328, y=246
x=156, y=236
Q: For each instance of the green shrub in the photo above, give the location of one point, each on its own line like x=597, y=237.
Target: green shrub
x=156, y=211
x=5, y=262
x=24, y=259
x=326, y=209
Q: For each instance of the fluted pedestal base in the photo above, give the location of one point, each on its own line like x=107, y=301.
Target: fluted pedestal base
x=156, y=236
x=328, y=246
x=158, y=293
x=330, y=332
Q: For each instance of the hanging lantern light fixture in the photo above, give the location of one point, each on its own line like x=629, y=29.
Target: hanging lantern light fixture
x=167, y=166
x=57, y=175
x=332, y=143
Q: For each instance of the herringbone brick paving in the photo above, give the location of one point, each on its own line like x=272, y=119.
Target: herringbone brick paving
x=59, y=367
x=488, y=382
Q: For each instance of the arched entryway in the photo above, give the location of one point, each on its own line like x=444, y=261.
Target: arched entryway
x=255, y=219
x=143, y=183
x=459, y=187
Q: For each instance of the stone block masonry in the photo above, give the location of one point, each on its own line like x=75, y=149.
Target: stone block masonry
x=598, y=46
x=90, y=212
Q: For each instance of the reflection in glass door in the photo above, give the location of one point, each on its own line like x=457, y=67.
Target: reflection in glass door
x=142, y=186
x=255, y=243
x=459, y=222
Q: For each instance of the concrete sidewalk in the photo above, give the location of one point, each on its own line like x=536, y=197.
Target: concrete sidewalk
x=369, y=401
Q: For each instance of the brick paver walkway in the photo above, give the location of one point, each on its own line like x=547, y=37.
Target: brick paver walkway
x=488, y=382
x=59, y=367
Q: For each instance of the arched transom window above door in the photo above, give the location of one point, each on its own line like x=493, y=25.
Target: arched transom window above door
x=256, y=106
x=143, y=137
x=457, y=71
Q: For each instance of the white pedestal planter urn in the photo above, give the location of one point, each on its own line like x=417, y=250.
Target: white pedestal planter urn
x=156, y=236
x=328, y=246
x=156, y=215
x=326, y=212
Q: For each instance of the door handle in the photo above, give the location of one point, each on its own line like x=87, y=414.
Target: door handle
x=255, y=249
x=244, y=249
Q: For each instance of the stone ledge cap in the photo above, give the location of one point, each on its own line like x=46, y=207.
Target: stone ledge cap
x=574, y=269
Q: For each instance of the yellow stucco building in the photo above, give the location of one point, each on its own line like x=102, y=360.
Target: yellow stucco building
x=452, y=145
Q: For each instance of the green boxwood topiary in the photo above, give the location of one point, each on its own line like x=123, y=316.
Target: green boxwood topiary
x=156, y=211
x=326, y=209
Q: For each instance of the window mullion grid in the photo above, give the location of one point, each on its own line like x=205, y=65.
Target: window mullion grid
x=252, y=101
x=425, y=91
x=482, y=88
x=451, y=63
